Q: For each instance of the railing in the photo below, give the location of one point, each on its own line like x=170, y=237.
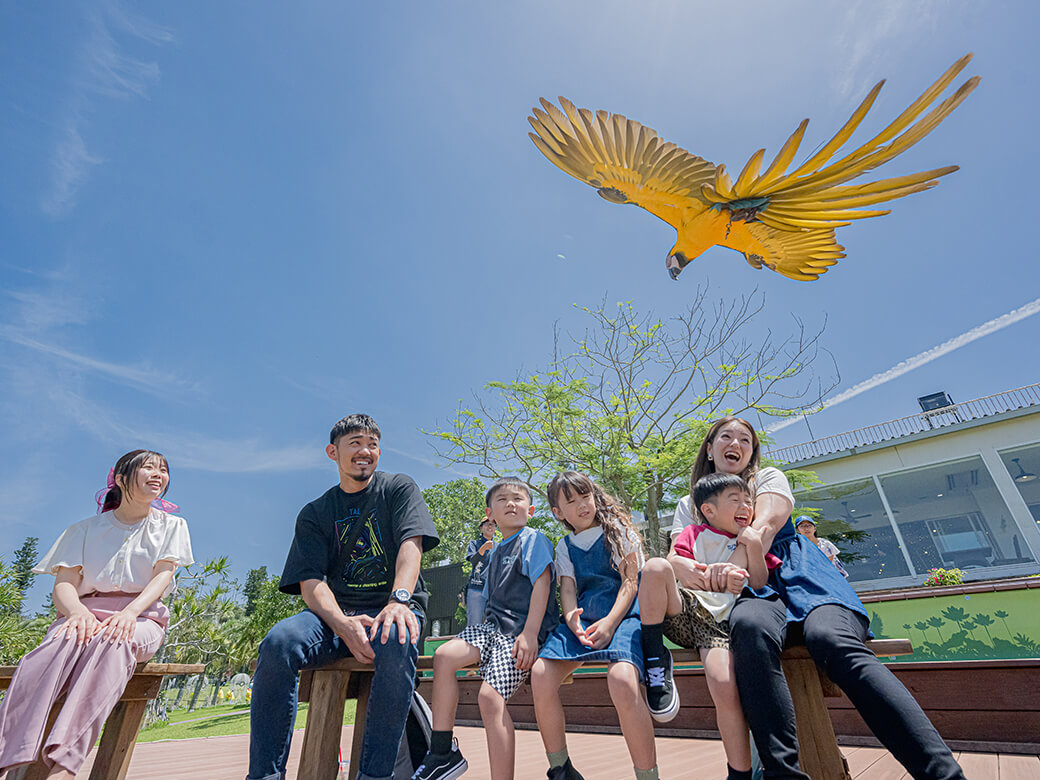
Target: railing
x=1000, y=403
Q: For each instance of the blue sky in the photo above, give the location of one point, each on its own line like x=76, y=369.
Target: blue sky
x=225, y=225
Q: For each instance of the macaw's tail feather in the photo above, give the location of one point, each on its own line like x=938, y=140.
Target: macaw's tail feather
x=811, y=195
x=804, y=255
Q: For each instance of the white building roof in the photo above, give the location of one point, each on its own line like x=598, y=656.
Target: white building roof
x=981, y=411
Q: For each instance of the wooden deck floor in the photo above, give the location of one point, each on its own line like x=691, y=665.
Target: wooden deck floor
x=597, y=756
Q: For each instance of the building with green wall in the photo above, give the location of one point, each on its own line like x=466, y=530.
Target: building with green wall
x=955, y=486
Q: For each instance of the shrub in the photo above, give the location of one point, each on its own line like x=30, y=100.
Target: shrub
x=938, y=577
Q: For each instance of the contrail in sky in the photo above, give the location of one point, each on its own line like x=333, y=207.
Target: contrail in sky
x=999, y=323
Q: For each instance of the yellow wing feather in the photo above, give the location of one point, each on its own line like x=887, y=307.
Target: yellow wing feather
x=623, y=159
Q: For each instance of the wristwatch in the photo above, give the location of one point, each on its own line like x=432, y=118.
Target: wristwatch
x=401, y=596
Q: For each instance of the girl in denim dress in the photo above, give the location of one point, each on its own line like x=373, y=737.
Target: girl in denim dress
x=598, y=566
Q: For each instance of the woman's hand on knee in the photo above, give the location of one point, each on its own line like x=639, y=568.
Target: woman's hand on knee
x=81, y=627
x=118, y=628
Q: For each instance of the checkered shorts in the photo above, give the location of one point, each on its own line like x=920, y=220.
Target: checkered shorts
x=497, y=666
x=695, y=627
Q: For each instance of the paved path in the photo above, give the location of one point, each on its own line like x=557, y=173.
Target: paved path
x=597, y=756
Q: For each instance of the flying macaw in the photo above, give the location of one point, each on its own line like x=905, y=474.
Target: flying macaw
x=782, y=221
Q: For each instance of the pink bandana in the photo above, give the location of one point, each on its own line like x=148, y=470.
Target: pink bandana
x=159, y=503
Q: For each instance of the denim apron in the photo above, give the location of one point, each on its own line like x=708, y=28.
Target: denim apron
x=598, y=584
x=806, y=578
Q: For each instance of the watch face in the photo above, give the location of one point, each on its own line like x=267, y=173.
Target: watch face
x=402, y=595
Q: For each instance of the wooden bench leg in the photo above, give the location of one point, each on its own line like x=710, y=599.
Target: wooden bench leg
x=818, y=751
x=319, y=758
x=364, y=689
x=117, y=740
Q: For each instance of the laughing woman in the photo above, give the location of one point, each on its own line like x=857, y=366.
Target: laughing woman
x=806, y=600
x=111, y=572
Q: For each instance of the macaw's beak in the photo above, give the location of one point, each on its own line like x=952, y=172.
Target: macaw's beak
x=675, y=263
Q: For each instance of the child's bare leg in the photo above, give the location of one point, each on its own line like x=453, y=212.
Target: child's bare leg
x=546, y=678
x=722, y=685
x=498, y=726
x=448, y=659
x=60, y=773
x=636, y=725
x=658, y=592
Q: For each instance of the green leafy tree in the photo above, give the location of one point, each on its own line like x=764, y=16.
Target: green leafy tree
x=25, y=558
x=269, y=606
x=17, y=635
x=1003, y=616
x=10, y=617
x=201, y=630
x=629, y=401
x=457, y=508
x=254, y=584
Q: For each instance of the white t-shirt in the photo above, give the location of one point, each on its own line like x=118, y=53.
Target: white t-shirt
x=584, y=541
x=828, y=547
x=768, y=480
x=114, y=556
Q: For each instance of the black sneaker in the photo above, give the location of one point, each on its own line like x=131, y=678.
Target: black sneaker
x=442, y=766
x=661, y=696
x=565, y=772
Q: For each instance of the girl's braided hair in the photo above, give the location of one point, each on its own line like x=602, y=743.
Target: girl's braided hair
x=611, y=515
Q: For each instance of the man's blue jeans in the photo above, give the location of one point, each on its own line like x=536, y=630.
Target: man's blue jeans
x=305, y=641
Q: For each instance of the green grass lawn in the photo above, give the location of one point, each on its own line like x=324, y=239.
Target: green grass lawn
x=229, y=719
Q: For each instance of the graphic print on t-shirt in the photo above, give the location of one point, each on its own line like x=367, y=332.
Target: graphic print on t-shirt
x=365, y=565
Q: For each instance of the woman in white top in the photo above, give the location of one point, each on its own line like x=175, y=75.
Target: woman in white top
x=805, y=601
x=111, y=572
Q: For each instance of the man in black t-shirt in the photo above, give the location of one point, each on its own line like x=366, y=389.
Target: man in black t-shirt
x=355, y=560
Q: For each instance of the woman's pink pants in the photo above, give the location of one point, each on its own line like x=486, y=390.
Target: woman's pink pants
x=91, y=676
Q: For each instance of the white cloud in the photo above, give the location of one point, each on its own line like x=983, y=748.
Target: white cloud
x=103, y=69
x=40, y=310
x=920, y=359
x=188, y=449
x=432, y=462
x=143, y=378
x=70, y=164
x=37, y=316
x=869, y=30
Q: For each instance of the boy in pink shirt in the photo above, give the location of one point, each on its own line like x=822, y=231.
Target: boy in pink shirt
x=699, y=618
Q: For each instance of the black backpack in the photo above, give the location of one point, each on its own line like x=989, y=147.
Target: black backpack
x=415, y=743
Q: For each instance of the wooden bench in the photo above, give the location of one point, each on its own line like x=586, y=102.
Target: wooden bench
x=120, y=734
x=328, y=688
x=818, y=751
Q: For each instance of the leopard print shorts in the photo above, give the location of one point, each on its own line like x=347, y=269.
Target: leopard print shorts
x=694, y=627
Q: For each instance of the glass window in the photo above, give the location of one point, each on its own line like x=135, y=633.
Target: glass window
x=853, y=517
x=1023, y=464
x=951, y=515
